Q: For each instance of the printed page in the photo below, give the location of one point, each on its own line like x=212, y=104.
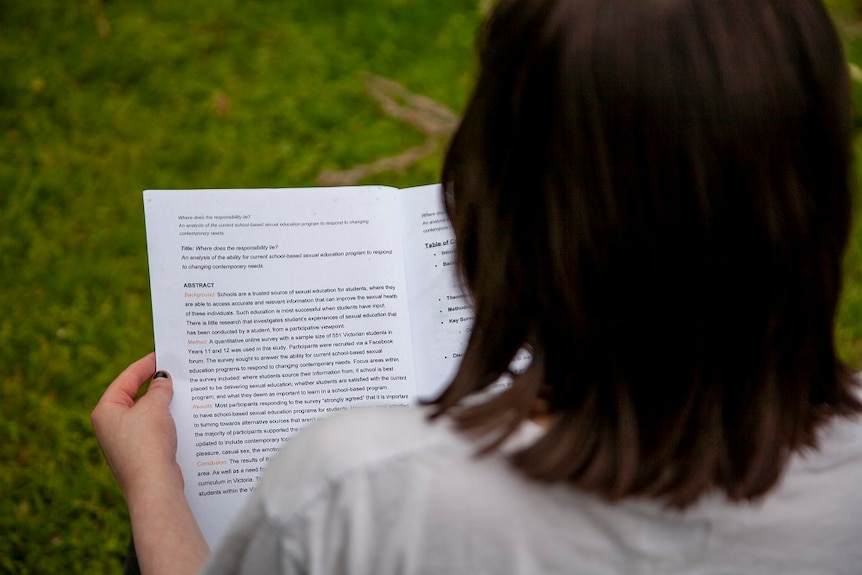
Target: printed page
x=272, y=308
x=440, y=311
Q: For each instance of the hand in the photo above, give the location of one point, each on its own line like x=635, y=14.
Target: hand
x=138, y=438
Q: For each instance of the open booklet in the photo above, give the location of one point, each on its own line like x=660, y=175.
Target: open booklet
x=275, y=307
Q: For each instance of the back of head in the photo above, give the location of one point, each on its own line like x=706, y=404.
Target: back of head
x=654, y=197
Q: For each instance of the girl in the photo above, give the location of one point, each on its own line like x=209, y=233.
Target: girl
x=653, y=197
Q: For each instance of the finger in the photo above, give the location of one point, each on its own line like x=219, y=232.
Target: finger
x=124, y=388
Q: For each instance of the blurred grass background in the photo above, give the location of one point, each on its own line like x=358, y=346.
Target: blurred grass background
x=100, y=99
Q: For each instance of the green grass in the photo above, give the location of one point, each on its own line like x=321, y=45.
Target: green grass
x=100, y=100
x=848, y=15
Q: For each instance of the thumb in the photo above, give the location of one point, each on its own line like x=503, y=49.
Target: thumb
x=161, y=388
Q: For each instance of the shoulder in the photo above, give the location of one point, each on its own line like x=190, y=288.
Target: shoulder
x=839, y=443
x=361, y=440
x=823, y=481
x=839, y=450
x=360, y=434
x=371, y=424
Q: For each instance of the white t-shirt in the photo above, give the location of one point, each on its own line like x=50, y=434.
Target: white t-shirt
x=382, y=491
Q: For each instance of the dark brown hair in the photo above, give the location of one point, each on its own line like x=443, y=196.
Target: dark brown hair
x=653, y=196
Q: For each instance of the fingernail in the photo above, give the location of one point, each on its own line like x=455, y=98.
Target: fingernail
x=161, y=375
